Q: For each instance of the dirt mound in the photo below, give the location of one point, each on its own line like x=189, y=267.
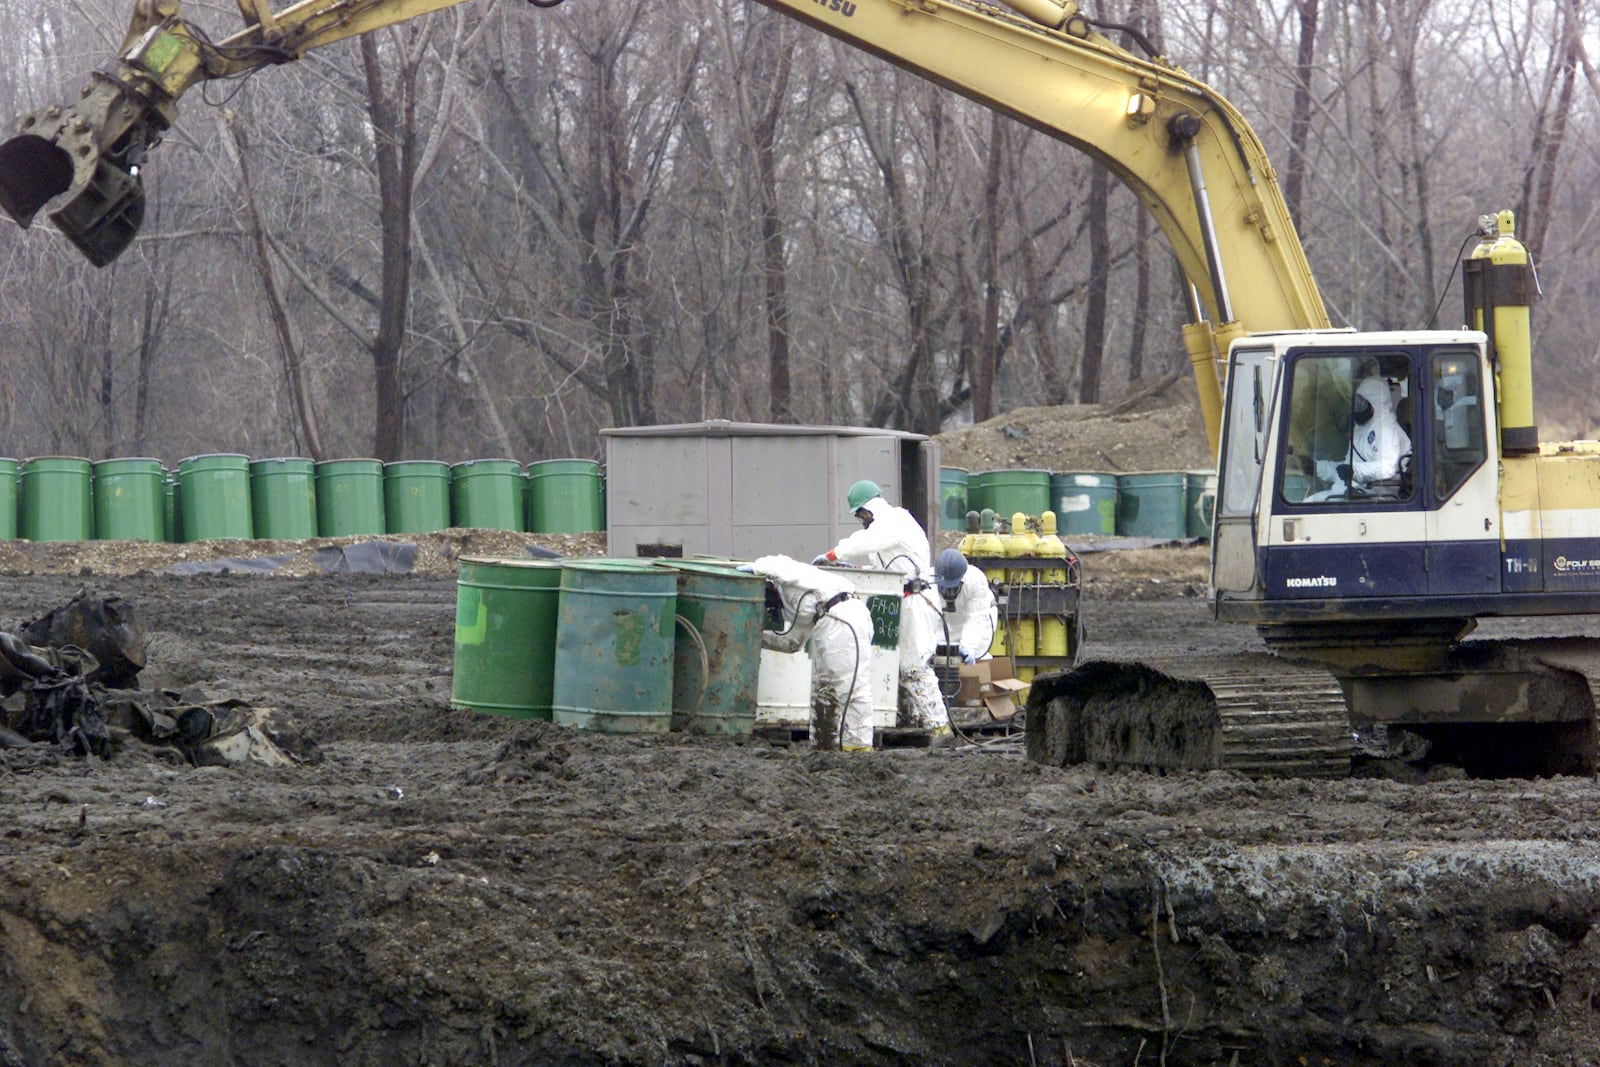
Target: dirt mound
x=1156, y=429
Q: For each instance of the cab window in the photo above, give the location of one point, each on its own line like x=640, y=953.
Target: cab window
x=1458, y=412
x=1349, y=435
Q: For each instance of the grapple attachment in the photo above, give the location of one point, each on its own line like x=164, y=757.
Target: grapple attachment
x=82, y=163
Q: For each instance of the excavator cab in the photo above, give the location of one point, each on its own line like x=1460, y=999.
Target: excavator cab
x=1356, y=486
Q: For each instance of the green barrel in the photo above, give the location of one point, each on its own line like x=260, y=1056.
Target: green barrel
x=953, y=497
x=506, y=613
x=1011, y=491
x=57, y=501
x=1199, y=502
x=130, y=498
x=564, y=496
x=10, y=475
x=350, y=497
x=416, y=495
x=283, y=498
x=978, y=491
x=615, y=646
x=1085, y=502
x=1151, y=505
x=717, y=653
x=486, y=494
x=214, y=497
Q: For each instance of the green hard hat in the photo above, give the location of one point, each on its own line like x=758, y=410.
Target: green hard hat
x=862, y=492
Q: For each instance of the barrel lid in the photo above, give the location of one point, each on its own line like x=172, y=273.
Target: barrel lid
x=510, y=561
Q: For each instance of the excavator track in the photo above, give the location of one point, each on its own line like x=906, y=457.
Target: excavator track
x=1266, y=719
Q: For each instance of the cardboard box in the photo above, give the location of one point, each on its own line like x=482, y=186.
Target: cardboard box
x=990, y=684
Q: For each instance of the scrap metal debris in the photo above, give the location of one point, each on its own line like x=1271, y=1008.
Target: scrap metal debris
x=67, y=684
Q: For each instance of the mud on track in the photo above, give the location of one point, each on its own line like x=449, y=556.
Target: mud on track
x=456, y=889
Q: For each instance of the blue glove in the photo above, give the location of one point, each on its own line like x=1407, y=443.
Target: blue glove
x=821, y=561
x=968, y=657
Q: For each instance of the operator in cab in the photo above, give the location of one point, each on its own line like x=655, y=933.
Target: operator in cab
x=1374, y=453
x=1378, y=444
x=822, y=609
x=892, y=539
x=970, y=614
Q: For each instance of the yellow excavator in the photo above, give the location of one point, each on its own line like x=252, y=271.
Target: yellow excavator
x=1377, y=493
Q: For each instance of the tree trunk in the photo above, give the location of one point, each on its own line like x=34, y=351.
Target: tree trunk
x=780, y=406
x=393, y=117
x=1294, y=177
x=988, y=354
x=1538, y=186
x=1094, y=315
x=294, y=374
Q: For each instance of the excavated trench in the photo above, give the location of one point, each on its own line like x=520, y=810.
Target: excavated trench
x=448, y=888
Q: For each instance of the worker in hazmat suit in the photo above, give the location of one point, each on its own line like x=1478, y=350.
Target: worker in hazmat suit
x=1378, y=443
x=892, y=539
x=1376, y=450
x=970, y=614
x=822, y=608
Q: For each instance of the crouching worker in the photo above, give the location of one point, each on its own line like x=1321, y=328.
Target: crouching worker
x=823, y=608
x=970, y=614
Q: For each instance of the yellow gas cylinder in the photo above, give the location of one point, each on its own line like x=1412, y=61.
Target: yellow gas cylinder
x=987, y=544
x=1000, y=646
x=1021, y=545
x=1499, y=284
x=1051, y=546
x=1052, y=636
x=1024, y=629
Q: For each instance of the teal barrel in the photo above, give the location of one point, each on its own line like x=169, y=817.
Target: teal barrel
x=130, y=500
x=283, y=498
x=978, y=491
x=1085, y=502
x=57, y=503
x=1199, y=502
x=716, y=665
x=953, y=497
x=1151, y=505
x=214, y=497
x=1011, y=491
x=564, y=496
x=487, y=494
x=615, y=646
x=10, y=476
x=350, y=497
x=416, y=496
x=506, y=612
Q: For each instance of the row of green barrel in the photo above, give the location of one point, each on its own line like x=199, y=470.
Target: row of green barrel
x=610, y=645
x=1175, y=504
x=226, y=495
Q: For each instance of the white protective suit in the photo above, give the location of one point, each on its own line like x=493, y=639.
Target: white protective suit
x=896, y=542
x=971, y=618
x=841, y=648
x=1377, y=445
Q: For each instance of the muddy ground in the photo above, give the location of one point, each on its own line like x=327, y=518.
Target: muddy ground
x=449, y=888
